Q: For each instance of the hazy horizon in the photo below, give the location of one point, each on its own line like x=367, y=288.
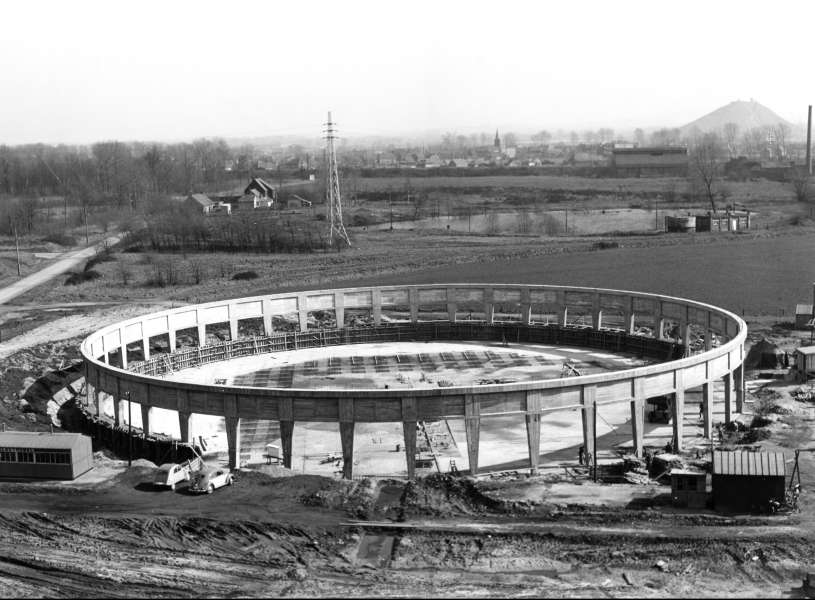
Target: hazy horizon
x=83, y=71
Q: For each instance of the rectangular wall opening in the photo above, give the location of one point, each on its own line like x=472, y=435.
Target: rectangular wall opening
x=322, y=319
x=395, y=306
x=115, y=358
x=217, y=333
x=358, y=317
x=286, y=322
x=250, y=328
x=186, y=338
x=160, y=344
x=135, y=352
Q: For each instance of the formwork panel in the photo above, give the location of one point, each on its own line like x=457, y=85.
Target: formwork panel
x=244, y=310
x=432, y=296
x=156, y=326
x=394, y=297
x=320, y=302
x=283, y=306
x=378, y=411
x=315, y=409
x=695, y=375
x=719, y=366
x=545, y=297
x=500, y=402
x=717, y=323
x=198, y=402
x=215, y=314
x=614, y=390
x=112, y=340
x=656, y=385
x=506, y=295
x=558, y=398
x=357, y=300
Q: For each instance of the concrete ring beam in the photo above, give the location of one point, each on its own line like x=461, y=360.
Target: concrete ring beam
x=697, y=344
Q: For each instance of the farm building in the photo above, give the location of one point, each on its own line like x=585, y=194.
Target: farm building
x=805, y=363
x=803, y=315
x=36, y=455
x=688, y=488
x=263, y=190
x=747, y=481
x=295, y=201
x=727, y=221
x=200, y=202
x=650, y=161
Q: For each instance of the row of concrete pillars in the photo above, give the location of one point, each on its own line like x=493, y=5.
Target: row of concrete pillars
x=733, y=382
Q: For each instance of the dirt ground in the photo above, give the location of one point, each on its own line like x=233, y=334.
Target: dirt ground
x=278, y=533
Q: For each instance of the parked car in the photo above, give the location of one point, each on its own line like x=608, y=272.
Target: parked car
x=170, y=474
x=207, y=481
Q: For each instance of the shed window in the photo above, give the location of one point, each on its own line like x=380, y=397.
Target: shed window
x=59, y=457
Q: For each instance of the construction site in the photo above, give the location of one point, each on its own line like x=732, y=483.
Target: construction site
x=420, y=432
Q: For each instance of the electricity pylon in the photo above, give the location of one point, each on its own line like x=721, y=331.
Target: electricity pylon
x=333, y=201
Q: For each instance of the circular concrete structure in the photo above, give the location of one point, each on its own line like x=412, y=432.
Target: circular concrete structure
x=695, y=344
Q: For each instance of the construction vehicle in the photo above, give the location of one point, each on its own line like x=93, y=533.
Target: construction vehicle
x=169, y=475
x=660, y=409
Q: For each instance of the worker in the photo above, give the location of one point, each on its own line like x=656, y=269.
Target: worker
x=581, y=455
x=701, y=409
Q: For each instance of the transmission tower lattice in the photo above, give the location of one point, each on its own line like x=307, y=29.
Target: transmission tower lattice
x=333, y=201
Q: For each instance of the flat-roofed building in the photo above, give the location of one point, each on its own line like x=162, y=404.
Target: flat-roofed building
x=38, y=455
x=650, y=161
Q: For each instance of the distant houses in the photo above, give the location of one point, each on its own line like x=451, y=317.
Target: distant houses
x=650, y=161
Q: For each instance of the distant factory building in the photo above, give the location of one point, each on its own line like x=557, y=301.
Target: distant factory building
x=650, y=161
x=36, y=455
x=747, y=481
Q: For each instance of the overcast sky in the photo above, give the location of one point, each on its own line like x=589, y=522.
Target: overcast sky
x=81, y=71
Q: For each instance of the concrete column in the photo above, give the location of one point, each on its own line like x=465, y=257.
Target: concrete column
x=409, y=423
x=202, y=335
x=708, y=334
x=286, y=439
x=638, y=425
x=346, y=414
x=146, y=413
x=526, y=306
x=413, y=299
x=347, y=440
x=123, y=348
x=376, y=305
x=302, y=311
x=233, y=329
x=145, y=345
x=97, y=398
x=117, y=398
x=489, y=306
x=409, y=429
x=562, y=309
x=472, y=427
x=339, y=309
x=171, y=340
x=184, y=422
x=533, y=429
x=588, y=399
x=678, y=410
x=451, y=304
x=728, y=396
x=268, y=328
x=233, y=437
x=659, y=320
x=707, y=409
x=738, y=383
x=596, y=312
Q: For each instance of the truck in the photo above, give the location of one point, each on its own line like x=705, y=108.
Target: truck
x=169, y=475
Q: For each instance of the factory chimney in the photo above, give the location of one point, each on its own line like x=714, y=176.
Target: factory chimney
x=809, y=140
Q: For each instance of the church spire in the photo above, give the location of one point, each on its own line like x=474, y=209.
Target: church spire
x=497, y=142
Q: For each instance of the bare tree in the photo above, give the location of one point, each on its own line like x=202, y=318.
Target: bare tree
x=799, y=179
x=705, y=172
x=731, y=135
x=542, y=136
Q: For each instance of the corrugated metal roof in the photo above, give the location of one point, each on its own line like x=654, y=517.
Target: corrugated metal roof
x=803, y=309
x=806, y=350
x=43, y=440
x=753, y=464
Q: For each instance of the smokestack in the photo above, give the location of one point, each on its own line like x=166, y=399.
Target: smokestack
x=809, y=140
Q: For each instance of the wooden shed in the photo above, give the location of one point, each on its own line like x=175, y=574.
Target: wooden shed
x=805, y=363
x=37, y=455
x=747, y=481
x=803, y=315
x=689, y=488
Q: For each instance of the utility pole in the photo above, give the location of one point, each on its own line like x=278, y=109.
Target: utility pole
x=333, y=200
x=16, y=244
x=594, y=433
